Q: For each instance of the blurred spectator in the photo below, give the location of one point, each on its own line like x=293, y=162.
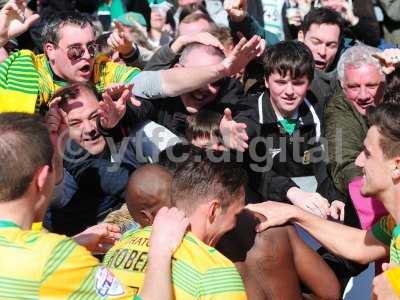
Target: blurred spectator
x=391, y=22
x=194, y=23
x=162, y=24
x=360, y=19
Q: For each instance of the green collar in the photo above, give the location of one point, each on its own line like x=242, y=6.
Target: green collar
x=7, y=223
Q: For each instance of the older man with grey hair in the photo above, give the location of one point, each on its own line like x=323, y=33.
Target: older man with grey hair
x=362, y=81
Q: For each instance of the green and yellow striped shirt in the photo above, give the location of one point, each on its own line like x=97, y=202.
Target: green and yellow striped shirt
x=27, y=82
x=199, y=271
x=36, y=265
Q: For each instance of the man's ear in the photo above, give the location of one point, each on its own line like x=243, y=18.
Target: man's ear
x=266, y=82
x=42, y=177
x=213, y=210
x=300, y=36
x=396, y=171
x=49, y=49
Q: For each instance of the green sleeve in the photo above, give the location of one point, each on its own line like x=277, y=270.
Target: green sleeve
x=381, y=231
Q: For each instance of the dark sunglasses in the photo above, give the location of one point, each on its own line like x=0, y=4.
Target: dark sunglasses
x=76, y=52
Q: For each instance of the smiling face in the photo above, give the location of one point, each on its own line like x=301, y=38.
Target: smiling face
x=71, y=37
x=377, y=169
x=81, y=120
x=286, y=94
x=363, y=86
x=197, y=99
x=323, y=41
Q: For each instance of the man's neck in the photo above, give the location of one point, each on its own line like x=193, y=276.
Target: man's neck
x=391, y=201
x=18, y=212
x=54, y=72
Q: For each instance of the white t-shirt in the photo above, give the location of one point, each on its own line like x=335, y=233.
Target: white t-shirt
x=273, y=17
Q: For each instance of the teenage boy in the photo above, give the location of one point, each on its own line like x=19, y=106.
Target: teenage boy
x=380, y=162
x=288, y=127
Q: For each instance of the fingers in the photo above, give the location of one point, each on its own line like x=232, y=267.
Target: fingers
x=263, y=226
x=31, y=20
x=135, y=102
x=337, y=210
x=228, y=114
x=118, y=26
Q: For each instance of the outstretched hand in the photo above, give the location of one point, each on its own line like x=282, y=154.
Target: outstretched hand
x=12, y=20
x=113, y=106
x=99, y=238
x=233, y=134
x=242, y=54
x=236, y=9
x=120, y=41
x=389, y=59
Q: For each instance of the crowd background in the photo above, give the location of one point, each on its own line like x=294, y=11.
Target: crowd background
x=208, y=80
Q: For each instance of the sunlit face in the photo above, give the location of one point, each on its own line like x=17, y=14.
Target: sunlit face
x=197, y=99
x=286, y=94
x=377, y=169
x=323, y=41
x=79, y=70
x=81, y=118
x=363, y=86
x=226, y=220
x=192, y=28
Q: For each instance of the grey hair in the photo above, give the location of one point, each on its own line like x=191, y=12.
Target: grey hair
x=211, y=50
x=357, y=56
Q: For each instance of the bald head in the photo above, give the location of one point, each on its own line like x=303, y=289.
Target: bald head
x=149, y=189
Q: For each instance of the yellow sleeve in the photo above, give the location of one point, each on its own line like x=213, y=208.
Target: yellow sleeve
x=71, y=272
x=393, y=275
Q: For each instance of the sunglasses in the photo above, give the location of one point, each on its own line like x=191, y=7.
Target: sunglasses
x=76, y=52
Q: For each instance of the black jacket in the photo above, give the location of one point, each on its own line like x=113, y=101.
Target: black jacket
x=285, y=156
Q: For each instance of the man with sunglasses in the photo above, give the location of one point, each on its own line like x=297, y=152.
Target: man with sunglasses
x=70, y=56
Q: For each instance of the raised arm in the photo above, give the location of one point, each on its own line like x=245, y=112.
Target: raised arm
x=177, y=81
x=13, y=21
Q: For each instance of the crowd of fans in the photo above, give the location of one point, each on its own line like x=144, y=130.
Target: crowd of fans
x=157, y=149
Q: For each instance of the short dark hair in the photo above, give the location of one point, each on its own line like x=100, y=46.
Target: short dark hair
x=289, y=56
x=51, y=31
x=73, y=90
x=25, y=146
x=386, y=118
x=204, y=124
x=322, y=15
x=198, y=181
